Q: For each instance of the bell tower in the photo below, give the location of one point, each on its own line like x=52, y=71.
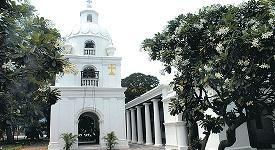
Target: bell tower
x=90, y=45
x=92, y=95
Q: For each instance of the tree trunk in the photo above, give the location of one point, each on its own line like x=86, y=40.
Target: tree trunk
x=48, y=123
x=10, y=138
x=231, y=134
x=193, y=135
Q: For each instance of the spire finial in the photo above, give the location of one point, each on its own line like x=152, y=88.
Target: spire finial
x=89, y=3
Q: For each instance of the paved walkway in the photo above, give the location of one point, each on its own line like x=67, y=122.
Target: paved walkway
x=132, y=147
x=143, y=147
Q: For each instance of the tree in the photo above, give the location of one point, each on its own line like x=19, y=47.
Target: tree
x=138, y=84
x=224, y=57
x=30, y=58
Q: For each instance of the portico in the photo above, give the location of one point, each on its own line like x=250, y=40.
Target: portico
x=159, y=128
x=149, y=123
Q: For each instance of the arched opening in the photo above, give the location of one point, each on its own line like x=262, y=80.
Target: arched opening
x=89, y=76
x=89, y=72
x=89, y=48
x=89, y=18
x=88, y=128
x=89, y=44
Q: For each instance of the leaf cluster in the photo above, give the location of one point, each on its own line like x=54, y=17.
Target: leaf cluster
x=111, y=140
x=69, y=140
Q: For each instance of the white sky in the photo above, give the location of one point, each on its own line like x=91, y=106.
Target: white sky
x=129, y=22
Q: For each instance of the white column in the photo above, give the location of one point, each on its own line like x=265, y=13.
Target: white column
x=158, y=141
x=128, y=125
x=134, y=127
x=148, y=124
x=139, y=125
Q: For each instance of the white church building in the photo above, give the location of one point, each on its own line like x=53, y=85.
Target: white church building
x=93, y=98
x=92, y=102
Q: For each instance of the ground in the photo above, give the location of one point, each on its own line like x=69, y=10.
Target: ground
x=43, y=146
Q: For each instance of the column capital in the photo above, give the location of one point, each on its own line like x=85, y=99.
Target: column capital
x=155, y=100
x=145, y=104
x=138, y=107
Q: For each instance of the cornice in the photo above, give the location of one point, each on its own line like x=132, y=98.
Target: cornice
x=91, y=92
x=146, y=96
x=178, y=123
x=72, y=56
x=94, y=59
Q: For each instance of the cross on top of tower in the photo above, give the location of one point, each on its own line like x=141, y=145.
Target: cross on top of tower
x=89, y=3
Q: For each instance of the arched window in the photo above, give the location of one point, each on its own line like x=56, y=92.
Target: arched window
x=89, y=72
x=89, y=76
x=89, y=48
x=89, y=44
x=89, y=18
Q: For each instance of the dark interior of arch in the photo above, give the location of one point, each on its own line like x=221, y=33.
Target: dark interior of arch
x=88, y=128
x=89, y=44
x=89, y=18
x=89, y=72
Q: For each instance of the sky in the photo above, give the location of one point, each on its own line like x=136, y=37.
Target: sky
x=129, y=22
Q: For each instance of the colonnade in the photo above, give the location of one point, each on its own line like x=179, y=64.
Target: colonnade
x=134, y=124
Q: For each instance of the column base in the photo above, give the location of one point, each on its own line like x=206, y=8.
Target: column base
x=175, y=147
x=183, y=147
x=148, y=144
x=54, y=146
x=242, y=148
x=133, y=142
x=122, y=144
x=158, y=145
x=141, y=143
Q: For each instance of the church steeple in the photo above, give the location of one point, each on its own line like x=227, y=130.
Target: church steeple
x=88, y=15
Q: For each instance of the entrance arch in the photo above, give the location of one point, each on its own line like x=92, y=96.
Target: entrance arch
x=88, y=128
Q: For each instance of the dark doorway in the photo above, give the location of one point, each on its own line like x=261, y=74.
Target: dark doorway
x=88, y=129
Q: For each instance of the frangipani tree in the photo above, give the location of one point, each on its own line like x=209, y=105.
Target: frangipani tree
x=224, y=60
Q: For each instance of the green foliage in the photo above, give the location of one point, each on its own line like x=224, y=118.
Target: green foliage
x=69, y=140
x=111, y=140
x=19, y=147
x=224, y=57
x=30, y=58
x=138, y=84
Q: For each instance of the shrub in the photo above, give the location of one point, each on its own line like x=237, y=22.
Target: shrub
x=69, y=140
x=111, y=140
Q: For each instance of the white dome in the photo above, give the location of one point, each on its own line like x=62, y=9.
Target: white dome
x=89, y=28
